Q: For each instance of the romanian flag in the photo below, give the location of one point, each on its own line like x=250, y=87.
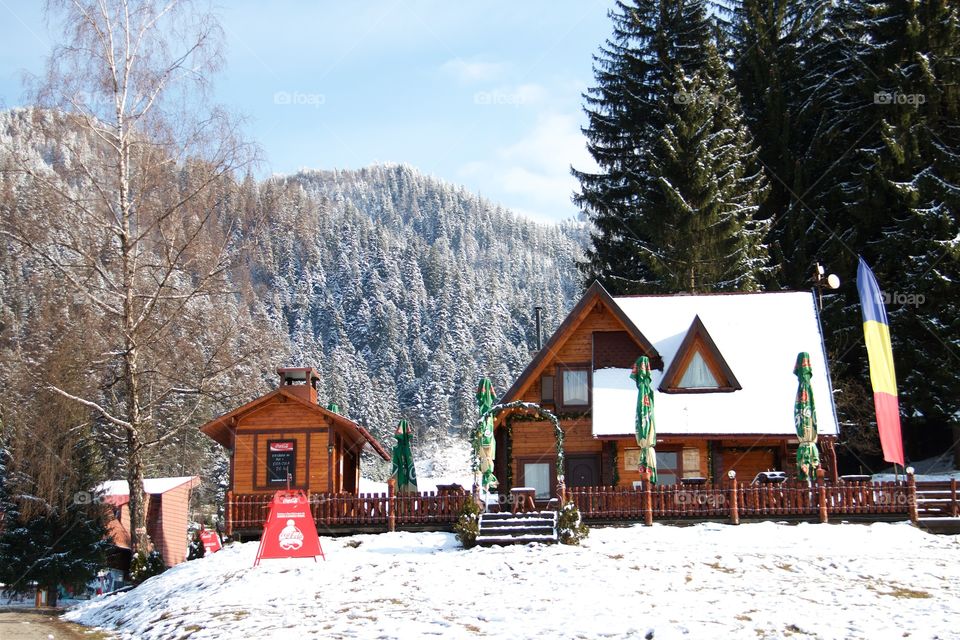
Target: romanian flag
x=876, y=331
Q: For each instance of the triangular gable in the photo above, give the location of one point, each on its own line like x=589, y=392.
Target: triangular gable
x=594, y=295
x=221, y=428
x=698, y=366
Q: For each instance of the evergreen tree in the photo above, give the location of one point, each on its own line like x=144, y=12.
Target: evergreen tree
x=60, y=544
x=900, y=190
x=673, y=205
x=778, y=48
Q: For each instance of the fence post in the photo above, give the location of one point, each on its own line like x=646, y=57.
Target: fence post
x=392, y=504
x=954, y=507
x=228, y=512
x=647, y=499
x=912, y=495
x=822, y=495
x=734, y=507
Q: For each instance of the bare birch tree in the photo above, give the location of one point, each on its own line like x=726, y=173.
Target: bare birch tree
x=134, y=223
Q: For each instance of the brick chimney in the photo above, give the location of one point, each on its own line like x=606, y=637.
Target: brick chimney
x=301, y=381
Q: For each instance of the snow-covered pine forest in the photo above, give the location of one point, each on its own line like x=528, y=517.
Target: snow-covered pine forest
x=402, y=290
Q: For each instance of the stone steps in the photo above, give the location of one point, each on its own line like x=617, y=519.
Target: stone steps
x=521, y=528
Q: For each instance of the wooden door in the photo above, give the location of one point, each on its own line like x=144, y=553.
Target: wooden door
x=748, y=462
x=582, y=470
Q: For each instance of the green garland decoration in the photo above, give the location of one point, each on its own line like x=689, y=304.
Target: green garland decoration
x=615, y=461
x=526, y=406
x=508, y=452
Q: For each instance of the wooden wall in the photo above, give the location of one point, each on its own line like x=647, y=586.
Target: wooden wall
x=174, y=516
x=281, y=420
x=577, y=350
x=538, y=440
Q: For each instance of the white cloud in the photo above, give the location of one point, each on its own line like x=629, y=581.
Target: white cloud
x=534, y=172
x=469, y=71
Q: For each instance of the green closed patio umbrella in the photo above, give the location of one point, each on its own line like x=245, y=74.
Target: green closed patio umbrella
x=645, y=424
x=488, y=445
x=805, y=419
x=404, y=472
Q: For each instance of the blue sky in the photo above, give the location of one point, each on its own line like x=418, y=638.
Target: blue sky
x=484, y=94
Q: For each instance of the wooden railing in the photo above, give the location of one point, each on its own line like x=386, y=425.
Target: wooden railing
x=247, y=512
x=427, y=508
x=697, y=502
x=938, y=499
x=817, y=500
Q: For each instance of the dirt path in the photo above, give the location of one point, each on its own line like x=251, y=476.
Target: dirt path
x=35, y=625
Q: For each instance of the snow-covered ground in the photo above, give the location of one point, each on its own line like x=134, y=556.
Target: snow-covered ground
x=936, y=469
x=763, y=580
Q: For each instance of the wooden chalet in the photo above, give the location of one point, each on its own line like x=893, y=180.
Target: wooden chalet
x=287, y=435
x=723, y=384
x=168, y=514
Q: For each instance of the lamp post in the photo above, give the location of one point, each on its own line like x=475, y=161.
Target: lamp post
x=820, y=280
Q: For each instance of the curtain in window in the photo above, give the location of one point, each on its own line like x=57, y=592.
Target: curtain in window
x=575, y=387
x=537, y=476
x=697, y=375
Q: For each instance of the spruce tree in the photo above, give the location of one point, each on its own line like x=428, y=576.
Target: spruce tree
x=674, y=202
x=53, y=545
x=901, y=189
x=777, y=52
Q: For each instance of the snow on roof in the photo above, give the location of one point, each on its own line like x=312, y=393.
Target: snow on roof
x=150, y=485
x=759, y=336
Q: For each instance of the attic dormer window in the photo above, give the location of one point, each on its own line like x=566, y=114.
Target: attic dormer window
x=698, y=366
x=698, y=375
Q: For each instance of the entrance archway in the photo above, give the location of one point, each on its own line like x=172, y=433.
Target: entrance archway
x=525, y=406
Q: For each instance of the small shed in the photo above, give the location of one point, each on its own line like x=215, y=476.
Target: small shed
x=286, y=435
x=167, y=508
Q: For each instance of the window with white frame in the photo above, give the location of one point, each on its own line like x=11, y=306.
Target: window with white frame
x=536, y=475
x=576, y=390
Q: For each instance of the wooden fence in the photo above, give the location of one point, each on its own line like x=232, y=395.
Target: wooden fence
x=247, y=512
x=699, y=502
x=817, y=500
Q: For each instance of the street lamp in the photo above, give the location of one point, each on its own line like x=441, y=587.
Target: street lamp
x=820, y=280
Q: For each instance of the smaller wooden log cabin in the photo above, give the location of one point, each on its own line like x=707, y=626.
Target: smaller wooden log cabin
x=723, y=381
x=287, y=434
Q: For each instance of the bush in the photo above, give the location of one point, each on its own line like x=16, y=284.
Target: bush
x=146, y=565
x=468, y=524
x=571, y=529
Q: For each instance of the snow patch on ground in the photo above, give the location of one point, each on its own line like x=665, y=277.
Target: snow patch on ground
x=762, y=580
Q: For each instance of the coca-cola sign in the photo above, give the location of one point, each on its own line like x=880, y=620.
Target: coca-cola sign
x=289, y=531
x=281, y=462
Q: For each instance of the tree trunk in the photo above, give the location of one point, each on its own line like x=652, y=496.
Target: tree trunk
x=138, y=507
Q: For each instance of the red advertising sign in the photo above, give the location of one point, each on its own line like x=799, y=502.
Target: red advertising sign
x=281, y=446
x=289, y=531
x=210, y=540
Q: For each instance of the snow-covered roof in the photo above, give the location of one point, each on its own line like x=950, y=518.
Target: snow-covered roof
x=150, y=485
x=758, y=335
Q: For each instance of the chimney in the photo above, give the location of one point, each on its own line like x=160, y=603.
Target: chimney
x=301, y=381
x=538, y=313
